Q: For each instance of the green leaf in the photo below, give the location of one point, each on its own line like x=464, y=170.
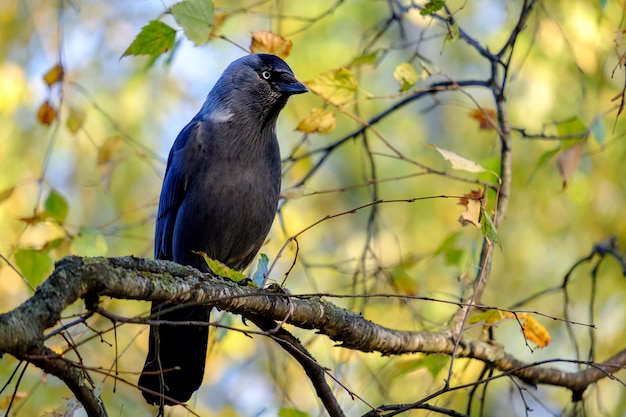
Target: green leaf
x=35, y=265
x=371, y=58
x=89, y=242
x=574, y=127
x=154, y=39
x=336, y=86
x=433, y=6
x=406, y=76
x=450, y=250
x=196, y=19
x=451, y=36
x=434, y=364
x=56, y=207
x=292, y=412
x=488, y=229
x=261, y=270
x=221, y=270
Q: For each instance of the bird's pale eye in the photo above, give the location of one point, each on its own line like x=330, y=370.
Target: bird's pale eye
x=266, y=75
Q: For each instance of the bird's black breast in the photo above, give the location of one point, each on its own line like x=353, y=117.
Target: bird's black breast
x=230, y=198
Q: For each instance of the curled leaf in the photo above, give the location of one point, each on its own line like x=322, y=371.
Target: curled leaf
x=270, y=43
x=46, y=113
x=54, y=75
x=471, y=215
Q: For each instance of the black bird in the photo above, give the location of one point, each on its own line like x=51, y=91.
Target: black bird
x=219, y=196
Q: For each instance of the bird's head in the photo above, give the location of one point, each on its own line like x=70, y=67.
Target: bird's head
x=254, y=85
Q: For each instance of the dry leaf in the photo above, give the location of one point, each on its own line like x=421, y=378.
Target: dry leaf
x=319, y=120
x=292, y=193
x=568, y=161
x=46, y=113
x=472, y=202
x=471, y=215
x=458, y=162
x=54, y=75
x=270, y=43
x=486, y=118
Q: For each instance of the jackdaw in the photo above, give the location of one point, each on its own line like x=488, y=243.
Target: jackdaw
x=219, y=196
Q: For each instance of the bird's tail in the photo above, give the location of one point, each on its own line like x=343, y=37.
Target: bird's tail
x=175, y=364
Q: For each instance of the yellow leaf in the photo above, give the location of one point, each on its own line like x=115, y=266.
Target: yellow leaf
x=46, y=113
x=535, y=332
x=54, y=75
x=270, y=43
x=335, y=86
x=319, y=120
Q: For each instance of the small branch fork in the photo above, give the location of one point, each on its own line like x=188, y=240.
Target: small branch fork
x=144, y=279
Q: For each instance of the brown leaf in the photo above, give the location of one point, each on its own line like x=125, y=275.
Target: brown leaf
x=568, y=161
x=46, y=113
x=54, y=75
x=472, y=195
x=472, y=202
x=270, y=43
x=486, y=118
x=471, y=215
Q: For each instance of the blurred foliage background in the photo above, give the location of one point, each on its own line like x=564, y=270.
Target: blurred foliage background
x=88, y=184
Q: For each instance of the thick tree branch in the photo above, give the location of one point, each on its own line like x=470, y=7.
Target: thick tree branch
x=22, y=333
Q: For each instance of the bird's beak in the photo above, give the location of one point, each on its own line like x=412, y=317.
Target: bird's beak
x=289, y=85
